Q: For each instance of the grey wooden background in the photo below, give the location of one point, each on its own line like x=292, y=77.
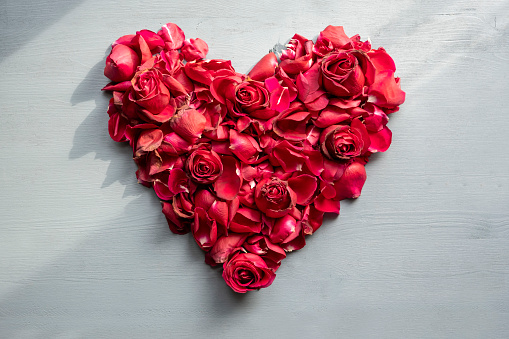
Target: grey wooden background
x=424, y=253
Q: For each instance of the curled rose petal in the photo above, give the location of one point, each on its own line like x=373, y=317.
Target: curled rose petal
x=162, y=190
x=120, y=87
x=262, y=246
x=121, y=63
x=289, y=156
x=154, y=41
x=205, y=71
x=244, y=147
x=204, y=199
x=283, y=228
x=176, y=224
x=141, y=46
x=336, y=35
x=178, y=181
x=304, y=186
x=296, y=240
x=194, y=49
x=264, y=68
x=351, y=182
x=292, y=123
x=386, y=91
x=228, y=184
x=223, y=247
x=246, y=220
x=380, y=141
x=117, y=123
x=148, y=140
x=327, y=205
x=204, y=229
x=189, y=124
x=312, y=219
x=172, y=35
x=219, y=212
x=279, y=95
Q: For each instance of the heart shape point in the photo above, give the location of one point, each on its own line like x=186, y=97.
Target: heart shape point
x=249, y=164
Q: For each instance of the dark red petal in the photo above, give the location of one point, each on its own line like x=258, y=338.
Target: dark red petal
x=304, y=187
x=204, y=229
x=381, y=140
x=350, y=184
x=264, y=68
x=227, y=186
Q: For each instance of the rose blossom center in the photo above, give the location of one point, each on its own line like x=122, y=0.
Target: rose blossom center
x=274, y=191
x=244, y=95
x=244, y=277
x=203, y=167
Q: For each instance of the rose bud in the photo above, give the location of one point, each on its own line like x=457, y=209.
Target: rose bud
x=274, y=197
x=343, y=142
x=151, y=95
x=247, y=272
x=121, y=64
x=345, y=73
x=204, y=165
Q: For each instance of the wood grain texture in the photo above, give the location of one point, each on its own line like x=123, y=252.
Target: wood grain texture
x=424, y=253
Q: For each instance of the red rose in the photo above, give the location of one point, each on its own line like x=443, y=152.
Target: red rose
x=243, y=97
x=247, y=272
x=345, y=73
x=343, y=142
x=149, y=91
x=204, y=166
x=274, y=197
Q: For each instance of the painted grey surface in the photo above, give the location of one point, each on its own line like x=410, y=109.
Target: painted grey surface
x=424, y=253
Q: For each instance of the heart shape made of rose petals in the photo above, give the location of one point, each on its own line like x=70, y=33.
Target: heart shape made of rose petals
x=250, y=163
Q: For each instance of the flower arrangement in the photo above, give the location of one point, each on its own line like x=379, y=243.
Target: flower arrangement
x=250, y=163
